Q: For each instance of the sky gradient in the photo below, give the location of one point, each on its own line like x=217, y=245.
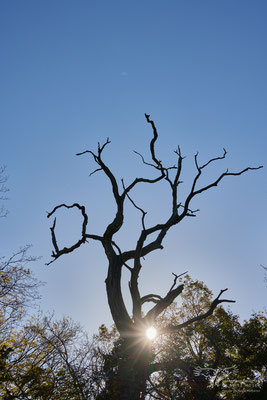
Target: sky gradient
x=73, y=73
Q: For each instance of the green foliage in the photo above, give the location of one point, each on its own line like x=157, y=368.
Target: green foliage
x=44, y=359
x=216, y=358
x=222, y=358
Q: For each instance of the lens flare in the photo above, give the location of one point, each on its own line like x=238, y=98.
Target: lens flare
x=151, y=333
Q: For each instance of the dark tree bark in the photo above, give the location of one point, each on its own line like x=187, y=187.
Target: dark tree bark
x=135, y=365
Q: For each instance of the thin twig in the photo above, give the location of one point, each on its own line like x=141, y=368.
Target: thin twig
x=136, y=206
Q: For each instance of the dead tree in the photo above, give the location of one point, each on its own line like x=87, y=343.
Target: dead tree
x=135, y=367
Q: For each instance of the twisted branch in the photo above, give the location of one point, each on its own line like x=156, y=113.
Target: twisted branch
x=214, y=304
x=84, y=236
x=117, y=258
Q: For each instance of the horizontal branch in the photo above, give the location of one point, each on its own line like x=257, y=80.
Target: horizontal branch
x=142, y=180
x=214, y=304
x=215, y=183
x=151, y=297
x=194, y=192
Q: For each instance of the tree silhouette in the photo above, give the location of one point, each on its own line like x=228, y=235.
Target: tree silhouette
x=134, y=366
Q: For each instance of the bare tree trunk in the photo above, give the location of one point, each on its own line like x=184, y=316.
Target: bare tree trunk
x=127, y=375
x=130, y=381
x=117, y=307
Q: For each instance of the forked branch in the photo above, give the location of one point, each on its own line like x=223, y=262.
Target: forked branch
x=136, y=206
x=194, y=192
x=214, y=304
x=117, y=258
x=164, y=302
x=175, y=217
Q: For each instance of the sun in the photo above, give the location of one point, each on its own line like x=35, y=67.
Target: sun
x=151, y=333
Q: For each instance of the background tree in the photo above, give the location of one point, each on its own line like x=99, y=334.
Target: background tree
x=134, y=367
x=40, y=358
x=18, y=288
x=3, y=190
x=18, y=291
x=214, y=359
x=47, y=360
x=265, y=274
x=218, y=358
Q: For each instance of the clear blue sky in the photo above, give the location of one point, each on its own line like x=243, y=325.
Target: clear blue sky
x=75, y=72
